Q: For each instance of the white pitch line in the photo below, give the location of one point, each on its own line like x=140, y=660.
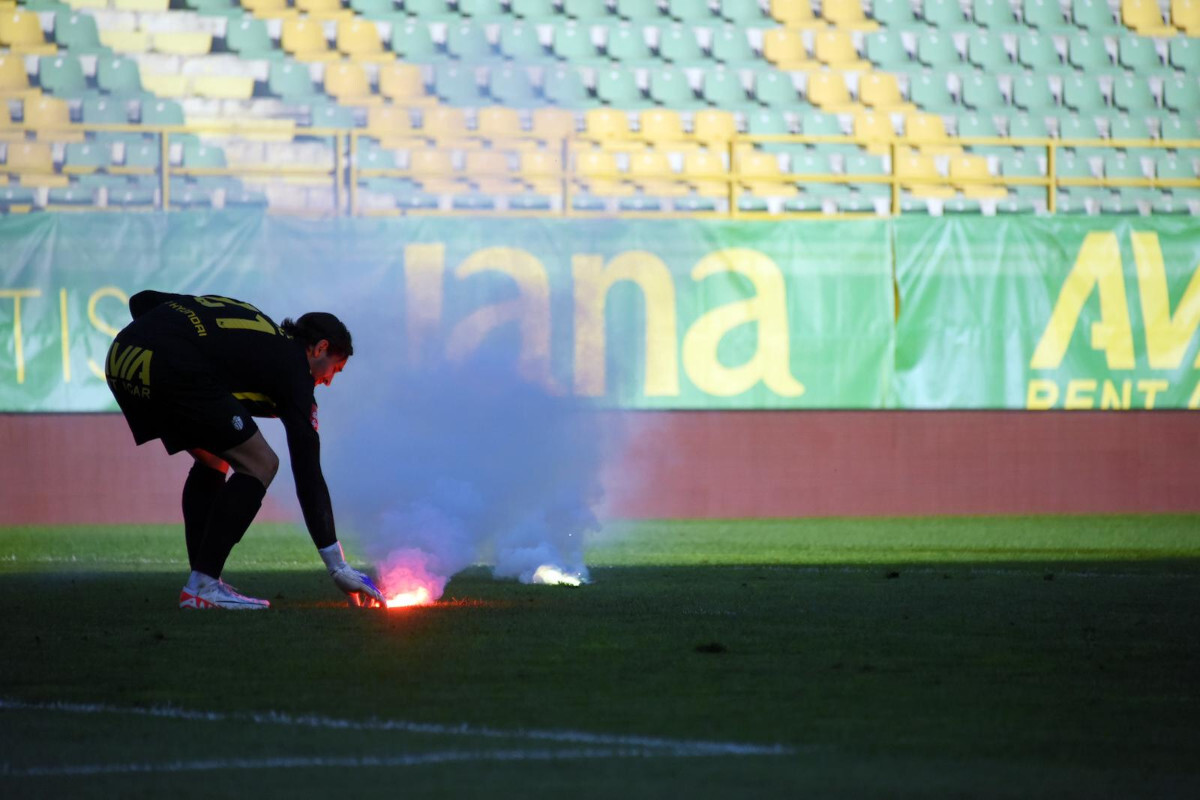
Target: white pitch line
x=292, y=762
x=680, y=747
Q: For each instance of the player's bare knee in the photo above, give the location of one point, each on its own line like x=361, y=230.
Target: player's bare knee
x=271, y=467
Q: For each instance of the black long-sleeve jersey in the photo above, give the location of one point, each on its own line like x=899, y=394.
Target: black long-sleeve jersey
x=264, y=368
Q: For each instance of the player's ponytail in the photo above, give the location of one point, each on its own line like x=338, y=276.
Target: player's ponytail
x=317, y=325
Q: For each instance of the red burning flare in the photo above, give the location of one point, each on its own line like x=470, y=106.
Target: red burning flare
x=408, y=580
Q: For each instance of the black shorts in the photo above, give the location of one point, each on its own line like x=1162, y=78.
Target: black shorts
x=168, y=391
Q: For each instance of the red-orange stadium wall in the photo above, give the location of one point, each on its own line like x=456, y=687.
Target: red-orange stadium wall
x=84, y=469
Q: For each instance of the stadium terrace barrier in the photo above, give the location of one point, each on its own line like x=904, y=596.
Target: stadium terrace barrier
x=921, y=175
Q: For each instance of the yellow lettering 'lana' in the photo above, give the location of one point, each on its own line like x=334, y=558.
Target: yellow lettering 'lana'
x=767, y=308
x=592, y=283
x=1097, y=267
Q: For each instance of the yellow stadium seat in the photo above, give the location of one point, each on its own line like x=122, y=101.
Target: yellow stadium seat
x=51, y=118
x=501, y=127
x=305, y=39
x=347, y=82
x=165, y=84
x=14, y=80
x=609, y=127
x=651, y=171
x=714, y=127
x=881, y=92
x=33, y=164
x=84, y=4
x=492, y=173
x=223, y=87
x=552, y=125
x=542, y=171
x=928, y=133
x=662, y=126
x=147, y=6
x=269, y=9
x=834, y=48
x=392, y=126
x=125, y=41
x=970, y=168
x=447, y=126
x=795, y=14
x=706, y=173
x=182, y=43
x=784, y=47
x=875, y=132
x=911, y=164
x=1145, y=17
x=596, y=169
x=359, y=39
x=759, y=173
x=1185, y=15
x=827, y=90
x=847, y=15
x=323, y=9
x=22, y=32
x=404, y=84
x=433, y=168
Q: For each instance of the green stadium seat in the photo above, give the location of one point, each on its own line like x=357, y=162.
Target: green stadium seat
x=767, y=122
x=1140, y=54
x=378, y=10
x=1181, y=94
x=743, y=13
x=894, y=15
x=723, y=88
x=617, y=87
x=775, y=88
x=430, y=10
x=62, y=75
x=249, y=38
x=162, y=113
x=573, y=43
x=535, y=11
x=995, y=15
x=866, y=164
x=885, y=49
x=1173, y=166
x=563, y=86
x=412, y=42
x=331, y=115
x=143, y=155
x=101, y=110
x=669, y=88
x=986, y=51
x=961, y=205
x=1082, y=93
x=587, y=11
x=640, y=11
x=1118, y=203
x=1023, y=165
x=482, y=11
x=679, y=45
x=1045, y=15
x=511, y=86
x=1132, y=94
x=1075, y=127
x=1072, y=165
x=1095, y=16
x=1029, y=126
x=291, y=82
x=627, y=44
x=930, y=91
x=1169, y=204
x=945, y=15
x=77, y=33
x=823, y=123
x=215, y=8
x=468, y=42
x=1016, y=205
x=1038, y=53
x=731, y=47
x=936, y=50
x=814, y=162
x=86, y=157
x=519, y=42
x=980, y=91
x=119, y=76
x=1088, y=53
x=74, y=195
x=1135, y=126
x=691, y=12
x=980, y=125
x=806, y=202
x=1032, y=92
x=1176, y=128
x=1184, y=54
x=457, y=85
x=204, y=156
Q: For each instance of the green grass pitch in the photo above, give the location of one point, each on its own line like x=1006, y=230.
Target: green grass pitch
x=945, y=657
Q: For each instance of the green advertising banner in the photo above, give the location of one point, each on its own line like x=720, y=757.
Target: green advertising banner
x=1041, y=313
x=660, y=314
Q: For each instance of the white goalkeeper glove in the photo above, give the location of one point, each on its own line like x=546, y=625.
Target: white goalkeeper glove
x=358, y=585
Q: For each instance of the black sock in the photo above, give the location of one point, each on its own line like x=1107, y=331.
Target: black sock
x=200, y=491
x=230, y=516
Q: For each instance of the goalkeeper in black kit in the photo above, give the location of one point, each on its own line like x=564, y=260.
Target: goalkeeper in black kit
x=194, y=372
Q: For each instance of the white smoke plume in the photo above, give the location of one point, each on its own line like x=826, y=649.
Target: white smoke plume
x=441, y=465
